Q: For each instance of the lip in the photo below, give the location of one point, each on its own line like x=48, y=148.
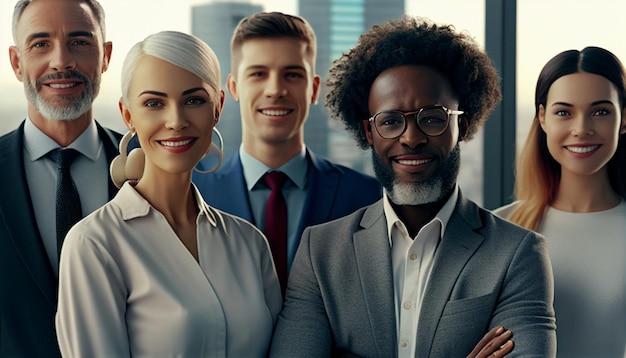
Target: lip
x=275, y=112
x=582, y=151
x=64, y=86
x=177, y=144
x=414, y=163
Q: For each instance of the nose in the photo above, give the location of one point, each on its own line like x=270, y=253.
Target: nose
x=177, y=120
x=62, y=59
x=275, y=87
x=412, y=136
x=582, y=127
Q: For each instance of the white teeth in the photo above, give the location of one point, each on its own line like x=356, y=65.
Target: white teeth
x=414, y=162
x=63, y=85
x=272, y=112
x=176, y=144
x=582, y=150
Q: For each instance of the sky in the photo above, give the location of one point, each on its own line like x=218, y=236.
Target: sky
x=545, y=27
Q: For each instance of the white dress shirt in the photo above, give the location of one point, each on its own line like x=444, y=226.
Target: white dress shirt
x=412, y=260
x=129, y=287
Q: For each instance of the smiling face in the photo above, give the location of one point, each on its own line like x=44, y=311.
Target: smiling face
x=582, y=121
x=173, y=112
x=414, y=169
x=59, y=56
x=274, y=84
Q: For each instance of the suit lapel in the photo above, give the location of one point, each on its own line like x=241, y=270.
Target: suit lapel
x=373, y=257
x=229, y=191
x=323, y=189
x=111, y=143
x=18, y=217
x=458, y=245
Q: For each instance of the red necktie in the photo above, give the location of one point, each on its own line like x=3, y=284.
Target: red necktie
x=276, y=224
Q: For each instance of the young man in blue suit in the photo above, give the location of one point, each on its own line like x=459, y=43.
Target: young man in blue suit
x=59, y=54
x=273, y=79
x=424, y=272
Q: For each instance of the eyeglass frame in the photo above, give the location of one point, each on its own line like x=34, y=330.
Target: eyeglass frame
x=416, y=113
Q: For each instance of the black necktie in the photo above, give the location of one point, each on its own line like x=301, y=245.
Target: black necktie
x=67, y=200
x=276, y=224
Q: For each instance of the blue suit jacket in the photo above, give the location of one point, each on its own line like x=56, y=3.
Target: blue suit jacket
x=28, y=287
x=333, y=191
x=486, y=272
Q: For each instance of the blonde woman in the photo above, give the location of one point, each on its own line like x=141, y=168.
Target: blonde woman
x=156, y=271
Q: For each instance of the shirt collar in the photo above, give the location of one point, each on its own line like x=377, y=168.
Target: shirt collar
x=253, y=169
x=443, y=216
x=133, y=205
x=38, y=144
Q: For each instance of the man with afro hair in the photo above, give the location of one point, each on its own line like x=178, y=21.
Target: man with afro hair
x=423, y=272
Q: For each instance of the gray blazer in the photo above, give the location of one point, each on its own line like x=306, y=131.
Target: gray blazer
x=487, y=272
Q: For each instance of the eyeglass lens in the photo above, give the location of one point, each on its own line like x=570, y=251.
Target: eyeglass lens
x=432, y=121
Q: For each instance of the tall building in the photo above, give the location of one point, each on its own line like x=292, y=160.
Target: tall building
x=215, y=23
x=338, y=24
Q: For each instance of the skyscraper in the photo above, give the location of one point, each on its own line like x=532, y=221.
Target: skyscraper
x=338, y=24
x=215, y=23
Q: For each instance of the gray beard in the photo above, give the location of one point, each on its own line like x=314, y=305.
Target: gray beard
x=65, y=108
x=432, y=190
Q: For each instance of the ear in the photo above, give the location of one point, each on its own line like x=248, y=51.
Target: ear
x=14, y=57
x=126, y=116
x=622, y=129
x=108, y=49
x=231, y=84
x=463, y=127
x=541, y=116
x=220, y=106
x=316, y=88
x=367, y=127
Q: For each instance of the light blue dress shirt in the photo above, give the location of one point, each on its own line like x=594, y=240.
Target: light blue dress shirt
x=294, y=191
x=90, y=173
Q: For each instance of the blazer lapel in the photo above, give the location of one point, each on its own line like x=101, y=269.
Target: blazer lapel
x=458, y=245
x=323, y=184
x=229, y=192
x=111, y=144
x=19, y=217
x=373, y=257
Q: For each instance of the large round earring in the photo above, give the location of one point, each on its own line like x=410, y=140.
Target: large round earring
x=127, y=166
x=215, y=154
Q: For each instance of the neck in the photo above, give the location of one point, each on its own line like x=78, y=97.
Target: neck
x=274, y=154
x=415, y=217
x=62, y=132
x=170, y=194
x=584, y=194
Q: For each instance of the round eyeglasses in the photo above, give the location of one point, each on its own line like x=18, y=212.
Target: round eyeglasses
x=431, y=120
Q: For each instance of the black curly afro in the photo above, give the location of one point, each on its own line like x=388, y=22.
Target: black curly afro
x=412, y=41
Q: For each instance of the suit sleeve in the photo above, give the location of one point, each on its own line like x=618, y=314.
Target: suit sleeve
x=525, y=304
x=92, y=301
x=303, y=329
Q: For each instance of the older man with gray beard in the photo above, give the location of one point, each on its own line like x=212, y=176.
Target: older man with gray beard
x=55, y=163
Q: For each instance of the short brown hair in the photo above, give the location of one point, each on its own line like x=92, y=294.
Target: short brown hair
x=271, y=25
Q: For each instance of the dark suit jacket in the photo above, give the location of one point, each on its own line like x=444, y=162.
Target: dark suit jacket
x=486, y=272
x=333, y=190
x=28, y=287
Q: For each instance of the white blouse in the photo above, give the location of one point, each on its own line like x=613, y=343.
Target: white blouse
x=129, y=287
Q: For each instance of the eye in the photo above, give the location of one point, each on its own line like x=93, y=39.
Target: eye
x=153, y=103
x=562, y=113
x=601, y=112
x=389, y=119
x=40, y=44
x=195, y=101
x=80, y=43
x=294, y=75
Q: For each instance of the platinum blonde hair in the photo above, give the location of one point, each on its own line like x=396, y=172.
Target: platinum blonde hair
x=180, y=49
